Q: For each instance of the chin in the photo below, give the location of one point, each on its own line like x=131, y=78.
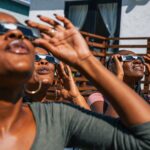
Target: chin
x=138, y=77
x=22, y=66
x=46, y=82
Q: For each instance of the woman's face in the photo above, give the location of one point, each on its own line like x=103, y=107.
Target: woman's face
x=43, y=68
x=16, y=55
x=134, y=68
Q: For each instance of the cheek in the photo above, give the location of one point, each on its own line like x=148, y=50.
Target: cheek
x=35, y=65
x=51, y=66
x=127, y=68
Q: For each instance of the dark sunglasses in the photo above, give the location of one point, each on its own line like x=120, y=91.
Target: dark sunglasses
x=49, y=58
x=30, y=33
x=131, y=58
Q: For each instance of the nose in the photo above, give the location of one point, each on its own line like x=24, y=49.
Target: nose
x=43, y=62
x=137, y=61
x=14, y=34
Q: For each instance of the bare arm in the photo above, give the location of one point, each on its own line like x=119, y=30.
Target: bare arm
x=68, y=45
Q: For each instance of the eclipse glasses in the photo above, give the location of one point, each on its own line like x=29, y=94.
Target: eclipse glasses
x=131, y=58
x=49, y=58
x=30, y=33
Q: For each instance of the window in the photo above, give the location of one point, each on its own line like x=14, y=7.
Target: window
x=101, y=17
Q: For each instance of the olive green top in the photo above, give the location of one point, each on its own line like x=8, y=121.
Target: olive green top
x=59, y=124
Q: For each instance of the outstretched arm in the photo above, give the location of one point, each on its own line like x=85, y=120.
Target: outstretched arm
x=67, y=44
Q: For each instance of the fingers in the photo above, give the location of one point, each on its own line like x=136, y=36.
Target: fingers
x=45, y=36
x=64, y=70
x=69, y=70
x=66, y=22
x=147, y=57
x=55, y=26
x=46, y=44
x=116, y=58
x=43, y=28
x=52, y=22
x=148, y=67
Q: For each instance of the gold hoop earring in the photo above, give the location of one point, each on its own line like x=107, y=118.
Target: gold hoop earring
x=34, y=91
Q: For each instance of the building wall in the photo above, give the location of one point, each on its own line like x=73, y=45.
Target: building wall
x=135, y=20
x=47, y=8
x=135, y=16
x=21, y=12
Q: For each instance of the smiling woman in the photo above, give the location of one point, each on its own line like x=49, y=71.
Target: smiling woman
x=128, y=67
x=52, y=126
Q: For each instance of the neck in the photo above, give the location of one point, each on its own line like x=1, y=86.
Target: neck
x=10, y=107
x=40, y=95
x=130, y=82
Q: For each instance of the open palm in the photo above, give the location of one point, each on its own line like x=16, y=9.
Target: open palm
x=65, y=42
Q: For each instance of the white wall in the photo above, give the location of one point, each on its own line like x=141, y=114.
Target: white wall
x=135, y=20
x=19, y=17
x=135, y=16
x=47, y=8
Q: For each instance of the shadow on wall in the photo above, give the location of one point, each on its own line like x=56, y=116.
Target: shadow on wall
x=131, y=4
x=47, y=4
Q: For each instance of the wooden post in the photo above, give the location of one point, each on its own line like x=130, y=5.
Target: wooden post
x=147, y=76
x=103, y=58
x=148, y=46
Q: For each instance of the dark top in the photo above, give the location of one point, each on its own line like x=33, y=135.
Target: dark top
x=59, y=124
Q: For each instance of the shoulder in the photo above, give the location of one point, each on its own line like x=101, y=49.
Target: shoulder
x=52, y=108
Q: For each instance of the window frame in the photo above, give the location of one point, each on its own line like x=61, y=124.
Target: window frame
x=69, y=3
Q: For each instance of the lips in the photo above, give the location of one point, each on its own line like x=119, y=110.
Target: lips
x=138, y=68
x=43, y=70
x=17, y=47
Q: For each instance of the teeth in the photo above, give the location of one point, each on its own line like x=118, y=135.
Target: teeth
x=14, y=42
x=137, y=67
x=17, y=47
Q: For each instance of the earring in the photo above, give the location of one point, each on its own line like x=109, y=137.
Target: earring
x=34, y=91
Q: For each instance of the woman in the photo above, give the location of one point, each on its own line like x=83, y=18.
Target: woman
x=129, y=68
x=43, y=77
x=54, y=125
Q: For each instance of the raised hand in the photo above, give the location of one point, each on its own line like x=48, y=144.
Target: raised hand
x=68, y=82
x=119, y=66
x=147, y=62
x=70, y=90
x=66, y=43
x=147, y=58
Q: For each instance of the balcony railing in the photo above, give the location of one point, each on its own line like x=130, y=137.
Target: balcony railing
x=99, y=46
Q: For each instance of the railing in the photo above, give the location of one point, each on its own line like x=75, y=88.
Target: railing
x=99, y=46
x=102, y=45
